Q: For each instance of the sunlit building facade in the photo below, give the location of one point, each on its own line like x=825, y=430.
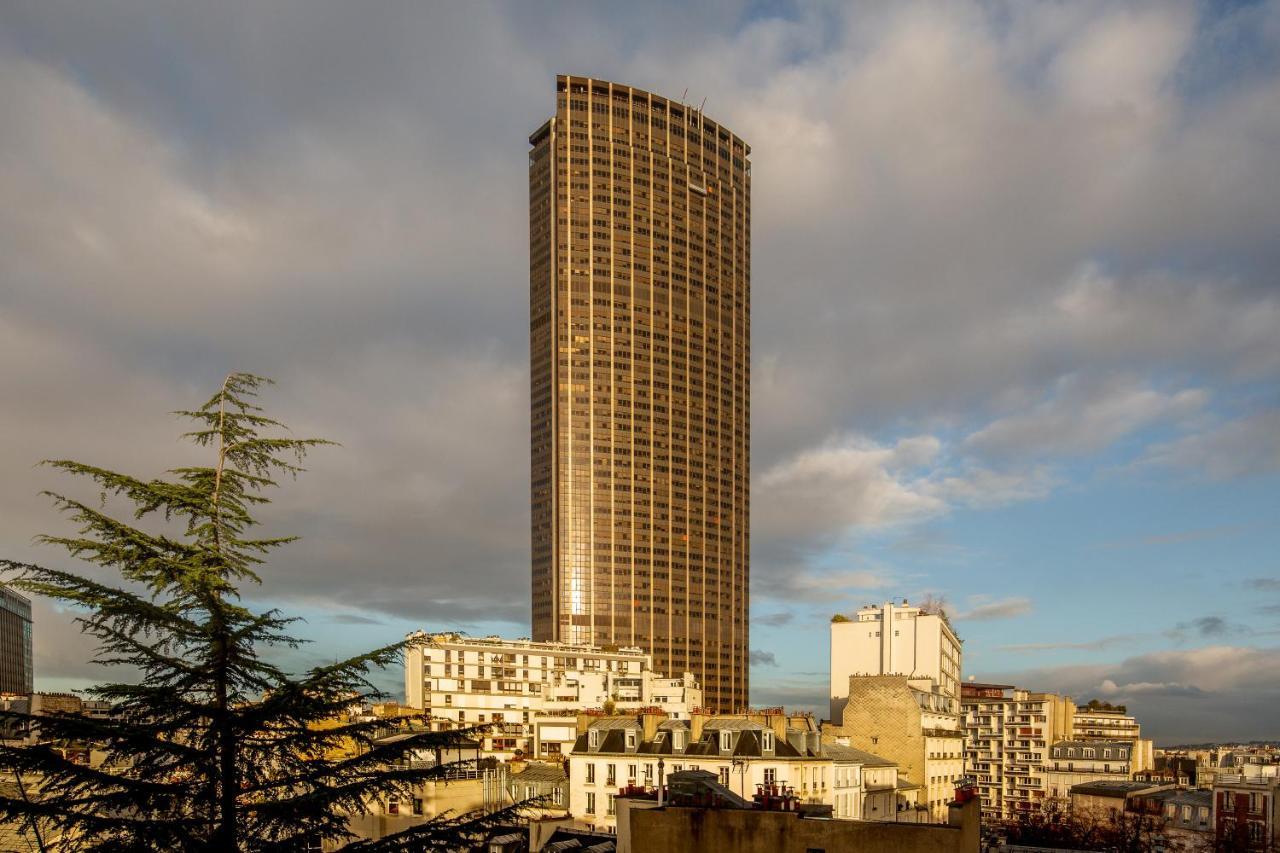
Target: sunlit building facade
x=640, y=375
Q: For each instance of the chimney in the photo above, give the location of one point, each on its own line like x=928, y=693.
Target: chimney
x=778, y=722
x=650, y=719
x=696, y=721
x=585, y=721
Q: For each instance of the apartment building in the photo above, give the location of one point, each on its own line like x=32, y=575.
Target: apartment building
x=893, y=639
x=1075, y=762
x=910, y=722
x=1246, y=806
x=1113, y=724
x=745, y=752
x=1007, y=735
x=533, y=691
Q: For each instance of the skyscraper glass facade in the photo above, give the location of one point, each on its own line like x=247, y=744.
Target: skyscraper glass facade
x=640, y=309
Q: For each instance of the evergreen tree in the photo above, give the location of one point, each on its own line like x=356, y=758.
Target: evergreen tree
x=214, y=748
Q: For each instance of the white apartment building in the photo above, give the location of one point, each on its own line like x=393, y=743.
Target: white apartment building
x=893, y=639
x=532, y=690
x=744, y=751
x=1007, y=735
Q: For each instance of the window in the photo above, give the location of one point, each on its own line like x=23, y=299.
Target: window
x=418, y=806
x=631, y=774
x=613, y=805
x=631, y=738
x=770, y=775
x=393, y=807
x=611, y=774
x=591, y=774
x=593, y=739
x=591, y=802
x=726, y=740
x=677, y=739
x=557, y=795
x=766, y=740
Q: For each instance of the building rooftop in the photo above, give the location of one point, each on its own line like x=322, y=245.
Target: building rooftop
x=1095, y=744
x=1111, y=788
x=540, y=772
x=840, y=752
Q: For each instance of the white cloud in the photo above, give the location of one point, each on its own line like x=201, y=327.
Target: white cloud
x=1081, y=417
x=1219, y=692
x=1250, y=445
x=983, y=609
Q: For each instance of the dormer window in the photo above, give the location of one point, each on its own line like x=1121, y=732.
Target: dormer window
x=631, y=738
x=726, y=740
x=677, y=739
x=766, y=741
x=593, y=739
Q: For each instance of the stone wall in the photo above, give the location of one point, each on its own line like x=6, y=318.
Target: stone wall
x=702, y=830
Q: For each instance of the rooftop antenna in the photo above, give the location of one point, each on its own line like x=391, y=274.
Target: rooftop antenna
x=701, y=105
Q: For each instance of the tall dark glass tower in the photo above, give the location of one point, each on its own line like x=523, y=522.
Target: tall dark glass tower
x=640, y=328
x=15, y=642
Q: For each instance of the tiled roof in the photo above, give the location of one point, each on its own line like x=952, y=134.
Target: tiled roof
x=539, y=772
x=616, y=723
x=848, y=753
x=1110, y=788
x=734, y=724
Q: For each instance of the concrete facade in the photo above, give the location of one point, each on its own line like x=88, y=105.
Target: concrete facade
x=1007, y=736
x=677, y=829
x=1113, y=725
x=1075, y=762
x=533, y=691
x=743, y=751
x=893, y=639
x=910, y=723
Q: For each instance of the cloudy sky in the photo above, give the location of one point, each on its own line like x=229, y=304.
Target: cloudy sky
x=1016, y=309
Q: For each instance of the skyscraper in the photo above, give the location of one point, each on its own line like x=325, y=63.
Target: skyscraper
x=15, y=642
x=639, y=284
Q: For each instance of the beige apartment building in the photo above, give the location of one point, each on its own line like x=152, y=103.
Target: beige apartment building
x=533, y=691
x=640, y=306
x=910, y=722
x=893, y=639
x=1114, y=725
x=1075, y=762
x=1008, y=733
